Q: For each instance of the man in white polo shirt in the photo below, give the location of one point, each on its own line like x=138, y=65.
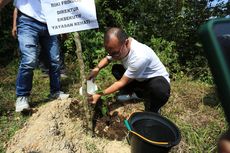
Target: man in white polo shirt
x=140, y=71
x=32, y=30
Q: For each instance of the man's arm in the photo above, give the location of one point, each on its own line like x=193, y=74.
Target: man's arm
x=103, y=63
x=3, y=3
x=14, y=28
x=117, y=85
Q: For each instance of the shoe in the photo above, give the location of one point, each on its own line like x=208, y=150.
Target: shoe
x=59, y=95
x=127, y=97
x=22, y=103
x=63, y=75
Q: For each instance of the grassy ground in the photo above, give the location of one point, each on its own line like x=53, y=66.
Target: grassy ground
x=200, y=124
x=10, y=121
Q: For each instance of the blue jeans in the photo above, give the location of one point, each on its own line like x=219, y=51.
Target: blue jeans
x=30, y=33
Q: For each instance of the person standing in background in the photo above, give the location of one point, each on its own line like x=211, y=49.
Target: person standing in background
x=32, y=31
x=42, y=59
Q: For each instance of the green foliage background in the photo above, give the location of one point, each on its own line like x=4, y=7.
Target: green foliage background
x=168, y=26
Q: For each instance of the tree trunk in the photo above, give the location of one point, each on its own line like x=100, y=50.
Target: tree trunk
x=87, y=108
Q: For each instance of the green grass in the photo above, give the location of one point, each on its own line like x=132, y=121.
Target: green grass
x=200, y=124
x=10, y=121
x=9, y=124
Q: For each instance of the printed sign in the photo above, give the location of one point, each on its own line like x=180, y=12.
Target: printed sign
x=64, y=16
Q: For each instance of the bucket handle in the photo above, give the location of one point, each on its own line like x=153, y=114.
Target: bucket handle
x=150, y=141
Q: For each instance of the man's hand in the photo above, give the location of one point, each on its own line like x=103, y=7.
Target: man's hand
x=94, y=98
x=93, y=73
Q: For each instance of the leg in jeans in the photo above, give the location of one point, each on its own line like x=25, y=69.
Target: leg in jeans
x=156, y=93
x=62, y=39
x=43, y=62
x=28, y=45
x=30, y=33
x=50, y=45
x=62, y=61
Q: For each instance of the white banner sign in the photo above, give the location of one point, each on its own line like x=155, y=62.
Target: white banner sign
x=64, y=16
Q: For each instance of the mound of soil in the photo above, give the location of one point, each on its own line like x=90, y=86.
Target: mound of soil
x=55, y=127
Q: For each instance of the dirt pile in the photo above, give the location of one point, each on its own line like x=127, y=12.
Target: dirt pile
x=56, y=128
